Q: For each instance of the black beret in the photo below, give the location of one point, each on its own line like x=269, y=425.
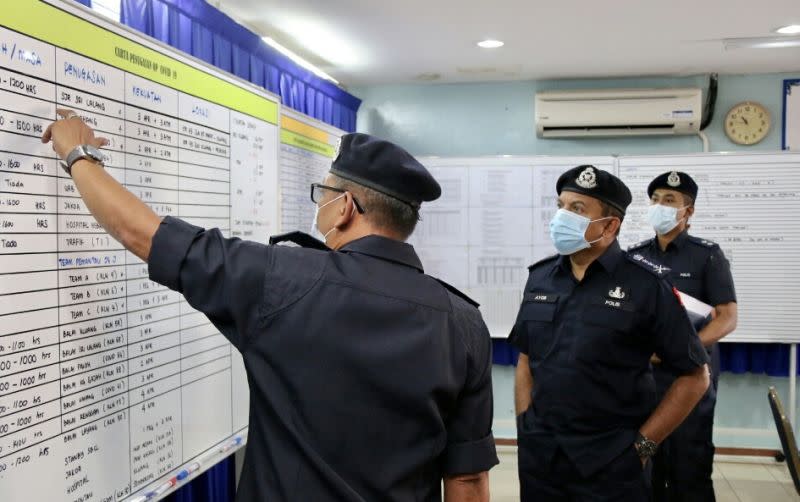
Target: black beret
x=595, y=183
x=674, y=180
x=384, y=167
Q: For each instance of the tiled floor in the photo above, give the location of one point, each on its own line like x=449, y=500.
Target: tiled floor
x=736, y=479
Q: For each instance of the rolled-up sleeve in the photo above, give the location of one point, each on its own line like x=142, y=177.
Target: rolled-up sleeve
x=470, y=444
x=223, y=278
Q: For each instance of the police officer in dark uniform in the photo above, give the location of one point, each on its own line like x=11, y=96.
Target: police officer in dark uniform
x=369, y=380
x=591, y=316
x=698, y=267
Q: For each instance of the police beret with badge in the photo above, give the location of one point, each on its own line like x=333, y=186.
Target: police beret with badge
x=384, y=167
x=673, y=180
x=596, y=183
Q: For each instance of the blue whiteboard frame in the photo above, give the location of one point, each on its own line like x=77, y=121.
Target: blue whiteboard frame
x=787, y=89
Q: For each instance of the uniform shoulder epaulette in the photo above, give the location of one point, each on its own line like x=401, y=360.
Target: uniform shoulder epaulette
x=703, y=242
x=640, y=245
x=655, y=268
x=458, y=293
x=542, y=261
x=301, y=239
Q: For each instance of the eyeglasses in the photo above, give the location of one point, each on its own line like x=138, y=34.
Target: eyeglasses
x=316, y=194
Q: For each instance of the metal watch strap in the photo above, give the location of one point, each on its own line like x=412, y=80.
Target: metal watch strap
x=644, y=446
x=78, y=153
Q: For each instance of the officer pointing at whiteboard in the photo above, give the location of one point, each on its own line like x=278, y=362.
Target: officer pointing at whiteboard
x=588, y=417
x=369, y=380
x=698, y=267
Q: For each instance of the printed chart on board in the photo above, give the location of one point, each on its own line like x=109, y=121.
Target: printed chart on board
x=490, y=224
x=110, y=383
x=307, y=150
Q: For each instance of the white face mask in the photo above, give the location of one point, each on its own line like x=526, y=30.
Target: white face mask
x=315, y=231
x=663, y=218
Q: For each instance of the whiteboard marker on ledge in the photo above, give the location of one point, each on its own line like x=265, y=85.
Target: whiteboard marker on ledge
x=161, y=489
x=231, y=444
x=188, y=471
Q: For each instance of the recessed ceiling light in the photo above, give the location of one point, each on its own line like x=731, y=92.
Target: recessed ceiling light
x=490, y=44
x=792, y=29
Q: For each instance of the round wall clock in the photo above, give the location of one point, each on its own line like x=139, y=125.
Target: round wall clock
x=747, y=123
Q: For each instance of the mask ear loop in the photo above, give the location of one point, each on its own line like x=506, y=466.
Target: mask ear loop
x=684, y=214
x=334, y=228
x=601, y=235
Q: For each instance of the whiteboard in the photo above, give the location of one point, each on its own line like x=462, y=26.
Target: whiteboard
x=306, y=152
x=490, y=223
x=748, y=203
x=791, y=115
x=110, y=384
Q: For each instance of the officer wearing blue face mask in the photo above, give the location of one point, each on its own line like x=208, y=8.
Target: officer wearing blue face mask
x=589, y=419
x=698, y=267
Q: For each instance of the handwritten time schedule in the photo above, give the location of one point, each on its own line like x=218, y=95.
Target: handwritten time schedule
x=109, y=381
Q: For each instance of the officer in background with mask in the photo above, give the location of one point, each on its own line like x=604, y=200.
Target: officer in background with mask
x=591, y=317
x=369, y=380
x=698, y=267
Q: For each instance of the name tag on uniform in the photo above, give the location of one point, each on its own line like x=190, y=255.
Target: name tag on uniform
x=686, y=275
x=541, y=297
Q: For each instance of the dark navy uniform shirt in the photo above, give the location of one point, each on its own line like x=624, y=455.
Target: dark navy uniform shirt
x=698, y=267
x=589, y=345
x=368, y=379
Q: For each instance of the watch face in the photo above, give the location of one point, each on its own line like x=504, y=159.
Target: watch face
x=747, y=123
x=94, y=152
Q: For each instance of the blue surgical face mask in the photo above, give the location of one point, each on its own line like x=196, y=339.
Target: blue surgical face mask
x=315, y=231
x=663, y=218
x=568, y=231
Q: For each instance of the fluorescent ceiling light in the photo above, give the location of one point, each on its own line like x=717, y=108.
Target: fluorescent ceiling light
x=490, y=44
x=792, y=29
x=318, y=38
x=297, y=59
x=761, y=43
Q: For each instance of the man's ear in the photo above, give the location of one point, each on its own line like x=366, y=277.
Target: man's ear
x=346, y=212
x=613, y=225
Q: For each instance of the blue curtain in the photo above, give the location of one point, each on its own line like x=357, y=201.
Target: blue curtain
x=217, y=484
x=201, y=30
x=765, y=358
x=87, y=3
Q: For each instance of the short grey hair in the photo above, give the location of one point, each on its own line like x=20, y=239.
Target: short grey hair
x=380, y=209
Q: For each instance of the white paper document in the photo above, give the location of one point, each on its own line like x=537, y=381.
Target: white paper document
x=697, y=310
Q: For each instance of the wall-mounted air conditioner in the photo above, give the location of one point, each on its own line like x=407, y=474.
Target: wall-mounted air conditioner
x=618, y=112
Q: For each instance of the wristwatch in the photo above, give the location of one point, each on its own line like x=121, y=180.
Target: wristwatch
x=87, y=152
x=645, y=447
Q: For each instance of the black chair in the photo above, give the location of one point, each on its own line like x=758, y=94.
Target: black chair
x=786, y=434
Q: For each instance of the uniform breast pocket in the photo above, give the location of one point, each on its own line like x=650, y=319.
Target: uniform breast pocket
x=609, y=336
x=692, y=287
x=537, y=319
